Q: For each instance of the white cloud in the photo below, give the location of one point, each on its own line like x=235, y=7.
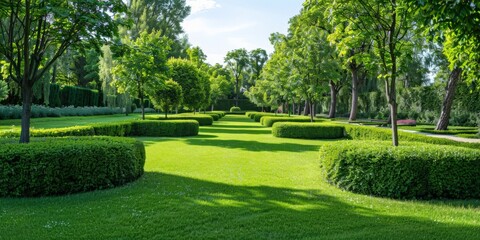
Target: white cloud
x=202, y=5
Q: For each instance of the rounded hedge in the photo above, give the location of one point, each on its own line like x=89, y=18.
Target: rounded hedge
x=235, y=109
x=258, y=116
x=167, y=128
x=412, y=170
x=307, y=130
x=215, y=116
x=55, y=166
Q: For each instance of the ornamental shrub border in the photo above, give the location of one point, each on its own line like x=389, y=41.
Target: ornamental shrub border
x=410, y=171
x=170, y=128
x=269, y=121
x=54, y=166
x=235, y=109
x=202, y=119
x=307, y=130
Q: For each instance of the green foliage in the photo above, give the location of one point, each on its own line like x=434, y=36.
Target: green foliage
x=268, y=121
x=215, y=116
x=38, y=111
x=3, y=89
x=68, y=165
x=413, y=170
x=220, y=113
x=235, y=109
x=258, y=116
x=185, y=73
x=174, y=128
x=78, y=96
x=307, y=130
x=226, y=104
x=168, y=96
x=202, y=119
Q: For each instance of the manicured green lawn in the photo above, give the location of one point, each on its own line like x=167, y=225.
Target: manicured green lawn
x=469, y=132
x=234, y=181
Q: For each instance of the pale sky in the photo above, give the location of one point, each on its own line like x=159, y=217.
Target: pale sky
x=218, y=26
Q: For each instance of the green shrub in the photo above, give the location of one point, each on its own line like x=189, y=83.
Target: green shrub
x=39, y=111
x=249, y=114
x=221, y=113
x=378, y=133
x=202, y=119
x=215, y=116
x=268, y=121
x=168, y=128
x=258, y=116
x=173, y=128
x=307, y=130
x=235, y=109
x=68, y=165
x=412, y=170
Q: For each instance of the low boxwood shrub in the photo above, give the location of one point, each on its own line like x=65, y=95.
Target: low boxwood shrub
x=356, y=132
x=258, y=116
x=220, y=113
x=202, y=119
x=307, y=130
x=54, y=166
x=170, y=128
x=235, y=109
x=215, y=116
x=167, y=128
x=268, y=121
x=249, y=114
x=412, y=170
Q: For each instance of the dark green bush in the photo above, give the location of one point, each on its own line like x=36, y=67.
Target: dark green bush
x=235, y=109
x=249, y=114
x=258, y=116
x=221, y=113
x=170, y=128
x=118, y=129
x=68, y=165
x=202, y=119
x=412, y=170
x=307, y=130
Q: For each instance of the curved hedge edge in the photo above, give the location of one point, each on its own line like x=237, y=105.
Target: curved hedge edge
x=412, y=170
x=215, y=116
x=68, y=165
x=307, y=130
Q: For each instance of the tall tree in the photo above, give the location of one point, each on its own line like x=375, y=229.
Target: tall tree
x=185, y=73
x=168, y=96
x=142, y=66
x=237, y=62
x=29, y=27
x=258, y=58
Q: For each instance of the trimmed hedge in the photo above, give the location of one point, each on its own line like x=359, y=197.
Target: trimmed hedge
x=307, y=130
x=215, y=116
x=258, y=116
x=221, y=113
x=378, y=133
x=269, y=121
x=412, y=170
x=173, y=128
x=249, y=114
x=235, y=109
x=68, y=165
x=202, y=119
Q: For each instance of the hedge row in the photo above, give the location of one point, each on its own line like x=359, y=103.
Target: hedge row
x=38, y=111
x=412, y=170
x=175, y=128
x=258, y=116
x=307, y=130
x=269, y=121
x=68, y=165
x=202, y=119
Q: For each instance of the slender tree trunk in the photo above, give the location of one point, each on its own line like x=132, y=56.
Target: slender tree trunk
x=307, y=108
x=354, y=107
x=312, y=111
x=393, y=110
x=237, y=91
x=333, y=100
x=27, y=95
x=212, y=108
x=293, y=107
x=453, y=80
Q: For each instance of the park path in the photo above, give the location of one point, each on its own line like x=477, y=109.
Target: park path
x=454, y=138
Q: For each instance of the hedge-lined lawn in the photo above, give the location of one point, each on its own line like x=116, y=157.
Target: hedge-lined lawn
x=60, y=122
x=234, y=181
x=469, y=132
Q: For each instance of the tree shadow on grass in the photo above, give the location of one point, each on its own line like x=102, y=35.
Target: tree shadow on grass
x=254, y=146
x=192, y=208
